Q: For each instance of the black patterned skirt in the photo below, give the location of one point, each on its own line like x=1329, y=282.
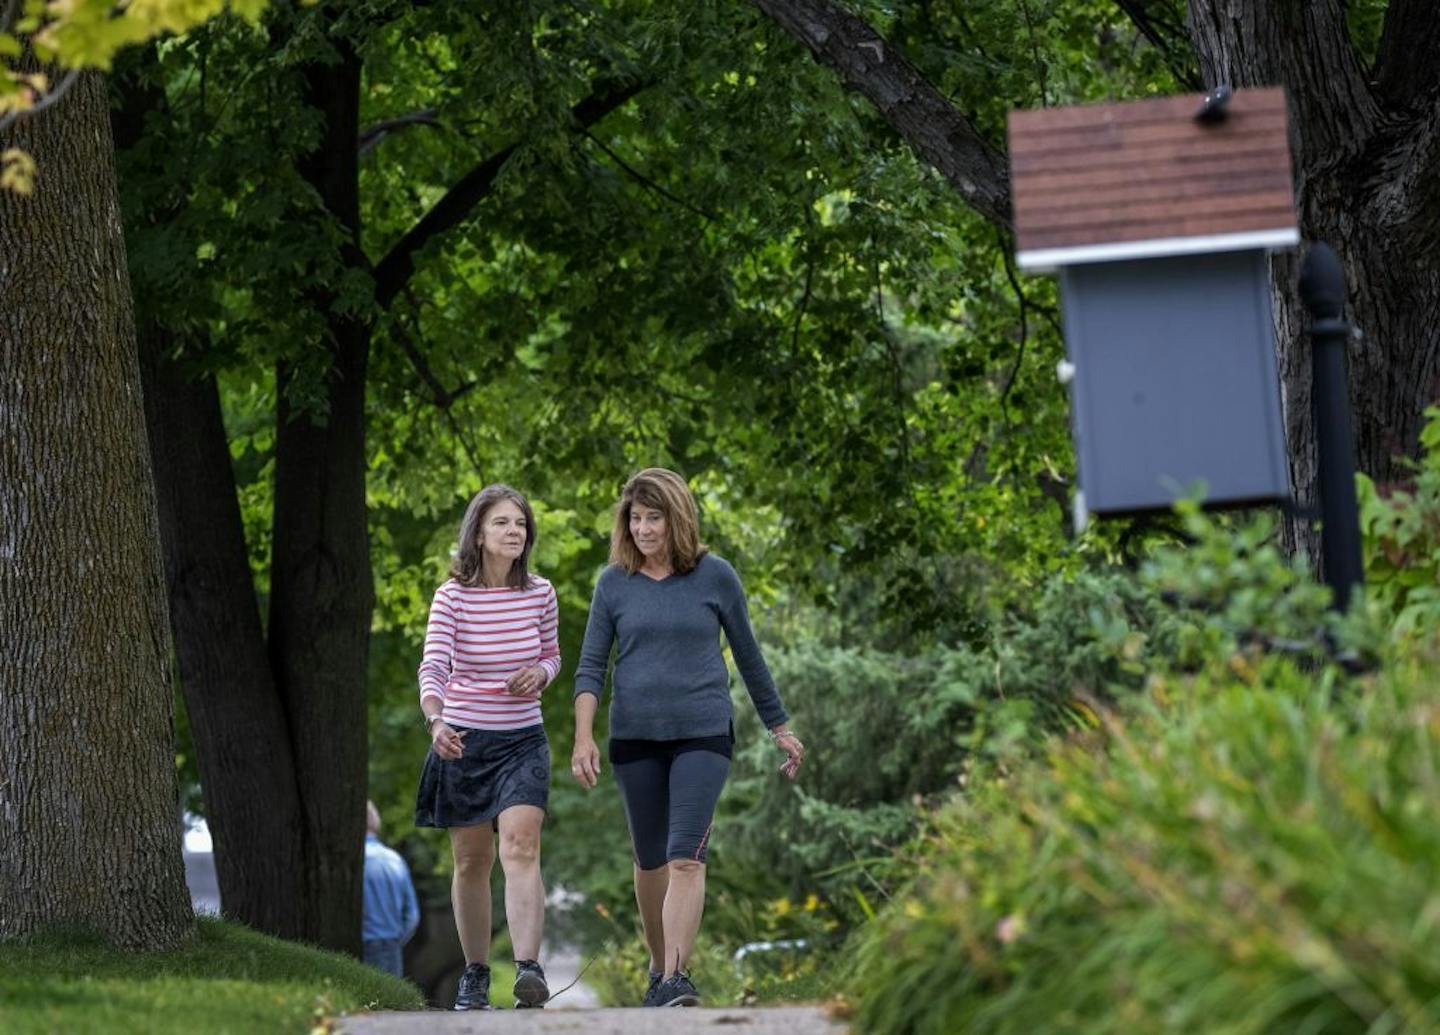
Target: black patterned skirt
x=498, y=769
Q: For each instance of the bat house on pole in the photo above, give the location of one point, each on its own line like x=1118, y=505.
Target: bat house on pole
x=1157, y=216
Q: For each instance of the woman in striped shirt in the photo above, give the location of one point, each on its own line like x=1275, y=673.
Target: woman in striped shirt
x=490, y=649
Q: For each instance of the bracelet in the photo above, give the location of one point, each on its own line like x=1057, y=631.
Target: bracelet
x=430, y=720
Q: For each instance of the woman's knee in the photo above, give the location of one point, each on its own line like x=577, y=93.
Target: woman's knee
x=686, y=869
x=519, y=847
x=474, y=856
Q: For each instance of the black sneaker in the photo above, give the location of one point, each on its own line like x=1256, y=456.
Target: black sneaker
x=474, y=990
x=677, y=990
x=530, y=987
x=652, y=988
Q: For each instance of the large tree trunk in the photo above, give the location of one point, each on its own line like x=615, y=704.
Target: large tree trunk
x=1365, y=167
x=88, y=816
x=321, y=591
x=237, y=720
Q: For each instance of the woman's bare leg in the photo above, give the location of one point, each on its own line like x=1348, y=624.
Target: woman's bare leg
x=474, y=849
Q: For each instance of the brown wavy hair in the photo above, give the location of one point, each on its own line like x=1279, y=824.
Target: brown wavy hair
x=469, y=566
x=667, y=492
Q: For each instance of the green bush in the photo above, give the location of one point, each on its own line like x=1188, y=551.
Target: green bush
x=1249, y=845
x=1402, y=539
x=1256, y=853
x=888, y=734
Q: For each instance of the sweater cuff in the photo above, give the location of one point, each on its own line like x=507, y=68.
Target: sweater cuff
x=775, y=719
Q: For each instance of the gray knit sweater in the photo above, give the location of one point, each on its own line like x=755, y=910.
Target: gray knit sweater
x=670, y=676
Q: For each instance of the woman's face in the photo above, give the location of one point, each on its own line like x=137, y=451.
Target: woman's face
x=647, y=528
x=502, y=533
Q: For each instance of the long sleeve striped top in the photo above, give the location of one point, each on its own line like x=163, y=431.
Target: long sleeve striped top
x=478, y=637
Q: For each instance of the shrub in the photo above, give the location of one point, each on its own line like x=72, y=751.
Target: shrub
x=1402, y=539
x=1254, y=853
x=888, y=734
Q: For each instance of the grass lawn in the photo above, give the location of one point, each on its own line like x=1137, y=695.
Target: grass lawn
x=229, y=979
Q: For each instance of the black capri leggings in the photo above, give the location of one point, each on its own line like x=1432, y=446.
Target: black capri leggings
x=670, y=789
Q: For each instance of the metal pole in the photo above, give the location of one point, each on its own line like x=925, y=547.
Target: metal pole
x=1322, y=288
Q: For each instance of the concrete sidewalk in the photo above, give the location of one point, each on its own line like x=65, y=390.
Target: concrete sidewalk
x=776, y=1020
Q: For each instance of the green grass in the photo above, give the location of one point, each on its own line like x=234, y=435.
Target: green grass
x=228, y=979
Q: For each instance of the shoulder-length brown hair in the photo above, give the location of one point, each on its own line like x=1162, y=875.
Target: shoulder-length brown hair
x=469, y=568
x=667, y=492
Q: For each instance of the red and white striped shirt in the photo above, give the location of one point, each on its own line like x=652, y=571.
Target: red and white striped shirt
x=477, y=639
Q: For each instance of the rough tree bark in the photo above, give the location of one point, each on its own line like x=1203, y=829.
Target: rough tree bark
x=89, y=831
x=1366, y=149
x=237, y=720
x=1367, y=171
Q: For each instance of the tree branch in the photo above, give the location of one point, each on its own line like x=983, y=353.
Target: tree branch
x=371, y=136
x=1023, y=303
x=444, y=397
x=940, y=132
x=1407, y=67
x=394, y=271
x=646, y=181
x=1167, y=37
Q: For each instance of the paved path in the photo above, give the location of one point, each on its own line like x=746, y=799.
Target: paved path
x=777, y=1020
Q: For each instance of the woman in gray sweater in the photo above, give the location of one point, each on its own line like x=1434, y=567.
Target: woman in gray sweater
x=664, y=600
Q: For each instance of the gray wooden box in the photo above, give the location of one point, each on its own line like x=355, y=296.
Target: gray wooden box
x=1158, y=227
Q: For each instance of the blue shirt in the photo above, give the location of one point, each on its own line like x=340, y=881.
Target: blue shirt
x=390, y=907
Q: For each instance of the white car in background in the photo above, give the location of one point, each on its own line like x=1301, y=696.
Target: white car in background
x=199, y=853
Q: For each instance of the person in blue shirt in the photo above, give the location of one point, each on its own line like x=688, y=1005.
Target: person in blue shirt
x=391, y=912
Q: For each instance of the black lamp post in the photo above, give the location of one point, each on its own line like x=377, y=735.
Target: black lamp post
x=1322, y=289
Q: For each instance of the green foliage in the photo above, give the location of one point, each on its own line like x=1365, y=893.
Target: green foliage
x=1366, y=21
x=1226, y=854
x=70, y=37
x=1235, y=589
x=891, y=734
x=740, y=273
x=1246, y=846
x=1402, y=539
x=769, y=971
x=227, y=979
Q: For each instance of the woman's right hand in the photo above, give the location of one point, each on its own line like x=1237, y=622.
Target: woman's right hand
x=447, y=743
x=585, y=762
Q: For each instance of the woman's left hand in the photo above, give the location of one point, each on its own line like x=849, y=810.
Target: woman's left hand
x=794, y=751
x=527, y=682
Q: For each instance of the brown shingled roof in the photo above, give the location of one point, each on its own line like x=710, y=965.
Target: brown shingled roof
x=1145, y=173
